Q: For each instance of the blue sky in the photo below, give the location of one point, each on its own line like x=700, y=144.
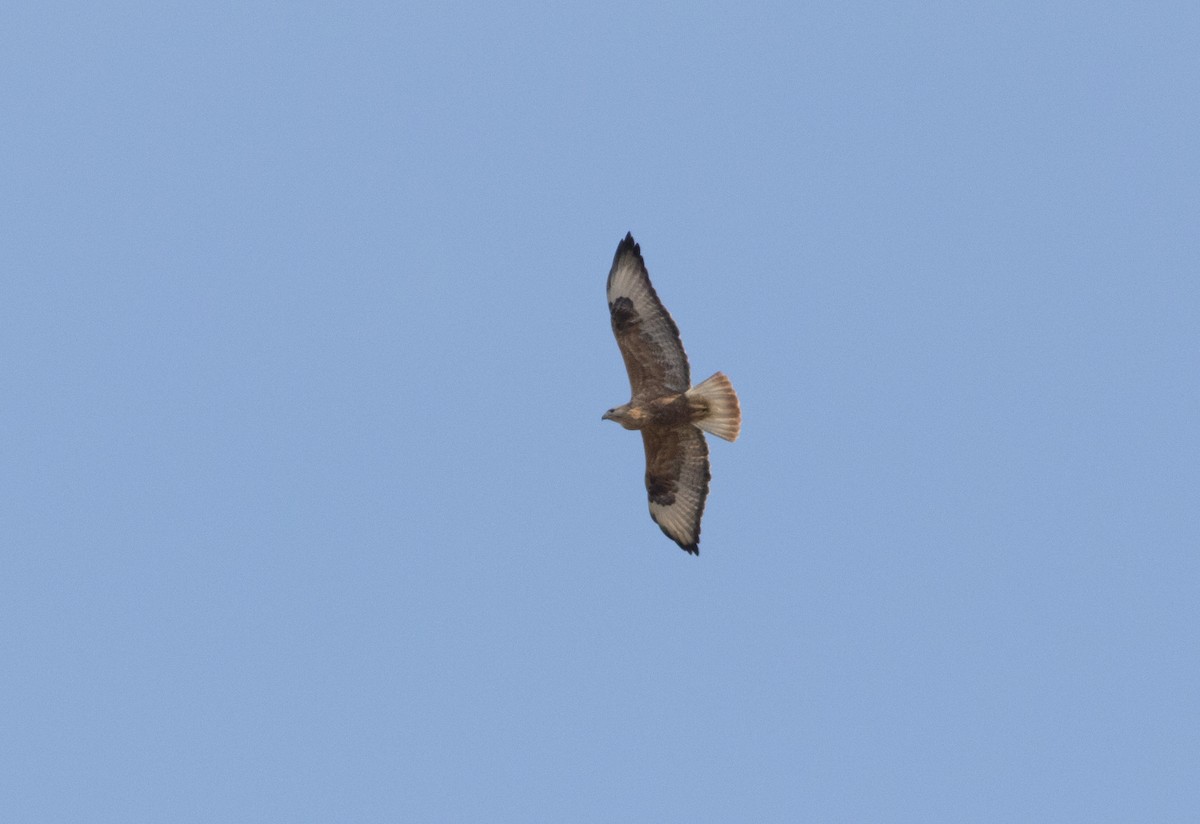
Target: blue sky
x=308, y=513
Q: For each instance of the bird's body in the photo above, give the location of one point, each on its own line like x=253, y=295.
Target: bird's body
x=669, y=410
x=665, y=407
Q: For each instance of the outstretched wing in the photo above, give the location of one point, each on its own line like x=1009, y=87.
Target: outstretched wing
x=677, y=478
x=648, y=338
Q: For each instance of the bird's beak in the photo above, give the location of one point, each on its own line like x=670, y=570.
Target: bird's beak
x=607, y=416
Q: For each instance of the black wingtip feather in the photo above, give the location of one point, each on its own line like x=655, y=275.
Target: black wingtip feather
x=628, y=246
x=692, y=549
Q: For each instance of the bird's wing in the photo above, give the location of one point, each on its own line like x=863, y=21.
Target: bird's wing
x=646, y=334
x=677, y=478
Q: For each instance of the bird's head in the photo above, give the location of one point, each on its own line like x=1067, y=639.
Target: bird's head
x=620, y=414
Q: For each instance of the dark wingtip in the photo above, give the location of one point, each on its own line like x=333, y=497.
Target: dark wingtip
x=628, y=246
x=692, y=549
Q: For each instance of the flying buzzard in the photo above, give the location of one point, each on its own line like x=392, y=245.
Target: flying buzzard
x=665, y=406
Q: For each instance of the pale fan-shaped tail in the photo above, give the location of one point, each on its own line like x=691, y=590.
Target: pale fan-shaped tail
x=723, y=417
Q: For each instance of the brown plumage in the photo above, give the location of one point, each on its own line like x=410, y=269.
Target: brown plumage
x=668, y=410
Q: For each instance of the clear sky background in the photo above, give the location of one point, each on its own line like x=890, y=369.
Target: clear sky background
x=307, y=509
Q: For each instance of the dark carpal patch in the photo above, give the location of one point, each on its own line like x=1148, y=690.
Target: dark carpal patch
x=662, y=490
x=624, y=315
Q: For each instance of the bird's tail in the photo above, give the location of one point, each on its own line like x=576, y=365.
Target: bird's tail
x=721, y=415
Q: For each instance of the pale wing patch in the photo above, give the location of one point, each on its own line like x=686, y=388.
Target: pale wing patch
x=645, y=332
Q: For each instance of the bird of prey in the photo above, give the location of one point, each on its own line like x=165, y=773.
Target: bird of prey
x=668, y=410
